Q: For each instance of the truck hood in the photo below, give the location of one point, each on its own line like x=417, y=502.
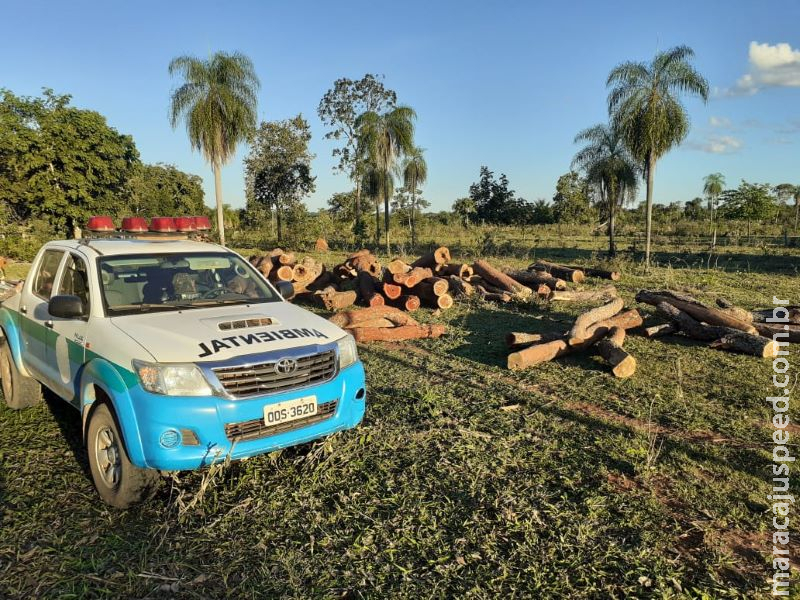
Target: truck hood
x=220, y=333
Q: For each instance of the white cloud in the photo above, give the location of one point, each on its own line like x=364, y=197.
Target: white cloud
x=770, y=66
x=718, y=144
x=722, y=122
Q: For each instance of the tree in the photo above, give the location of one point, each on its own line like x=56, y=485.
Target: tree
x=749, y=202
x=218, y=102
x=693, y=209
x=339, y=108
x=495, y=202
x=164, y=190
x=713, y=185
x=571, y=201
x=278, y=167
x=784, y=192
x=59, y=163
x=644, y=106
x=465, y=210
x=385, y=138
x=415, y=173
x=610, y=168
x=542, y=212
x=378, y=184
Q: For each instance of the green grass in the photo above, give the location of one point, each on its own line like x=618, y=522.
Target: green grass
x=465, y=479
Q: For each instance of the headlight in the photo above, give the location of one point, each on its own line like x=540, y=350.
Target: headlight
x=172, y=379
x=348, y=354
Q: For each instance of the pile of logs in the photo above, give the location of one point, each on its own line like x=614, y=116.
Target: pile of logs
x=384, y=323
x=725, y=326
x=602, y=329
x=550, y=280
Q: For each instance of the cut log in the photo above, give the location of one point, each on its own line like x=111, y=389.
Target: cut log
x=367, y=289
x=693, y=328
x=761, y=316
x=458, y=269
x=728, y=307
x=744, y=343
x=379, y=322
x=404, y=332
x=492, y=296
x=366, y=262
x=333, y=300
x=459, y=287
x=516, y=339
x=610, y=348
x=349, y=318
x=392, y=291
x=413, y=277
x=275, y=252
x=604, y=293
x=539, y=353
x=284, y=273
x=533, y=278
x=598, y=273
x=661, y=330
x=444, y=301
x=440, y=256
x=580, y=330
x=287, y=259
x=407, y=302
x=712, y=316
x=263, y=264
x=398, y=266
x=500, y=279
x=560, y=271
x=321, y=282
x=782, y=332
x=433, y=286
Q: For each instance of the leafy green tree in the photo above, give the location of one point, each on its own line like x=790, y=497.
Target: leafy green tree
x=465, y=210
x=407, y=205
x=217, y=100
x=415, y=174
x=59, y=163
x=786, y=191
x=644, y=106
x=571, y=203
x=278, y=168
x=542, y=212
x=164, y=190
x=385, y=138
x=713, y=186
x=749, y=202
x=693, y=209
x=341, y=206
x=377, y=185
x=339, y=108
x=495, y=202
x=611, y=169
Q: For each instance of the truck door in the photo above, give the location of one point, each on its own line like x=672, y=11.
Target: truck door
x=67, y=354
x=35, y=296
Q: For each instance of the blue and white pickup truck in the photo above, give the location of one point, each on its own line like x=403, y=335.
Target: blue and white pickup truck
x=177, y=354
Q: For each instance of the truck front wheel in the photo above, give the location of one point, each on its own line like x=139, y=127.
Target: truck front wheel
x=18, y=391
x=118, y=481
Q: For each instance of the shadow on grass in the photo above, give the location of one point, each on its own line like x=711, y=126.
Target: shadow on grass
x=68, y=421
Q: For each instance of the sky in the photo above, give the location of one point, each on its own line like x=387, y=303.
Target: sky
x=501, y=84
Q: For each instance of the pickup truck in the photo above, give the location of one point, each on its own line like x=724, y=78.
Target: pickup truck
x=177, y=353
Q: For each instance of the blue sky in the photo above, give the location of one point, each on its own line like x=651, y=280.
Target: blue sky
x=502, y=84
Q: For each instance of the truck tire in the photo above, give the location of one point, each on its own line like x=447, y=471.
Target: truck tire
x=19, y=391
x=118, y=481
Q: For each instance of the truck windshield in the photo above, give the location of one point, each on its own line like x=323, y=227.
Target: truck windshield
x=156, y=282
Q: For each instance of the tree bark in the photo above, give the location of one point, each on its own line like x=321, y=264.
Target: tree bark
x=407, y=302
x=560, y=271
x=610, y=348
x=500, y=279
x=656, y=331
x=745, y=343
x=790, y=334
x=535, y=278
x=460, y=287
x=651, y=165
x=333, y=300
x=440, y=256
x=215, y=167
x=351, y=317
x=386, y=219
x=585, y=296
x=580, y=330
x=517, y=339
x=458, y=269
x=712, y=316
x=405, y=332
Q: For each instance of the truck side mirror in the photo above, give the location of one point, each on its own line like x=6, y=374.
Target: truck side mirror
x=66, y=307
x=286, y=289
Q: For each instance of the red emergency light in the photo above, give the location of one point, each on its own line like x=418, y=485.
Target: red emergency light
x=134, y=224
x=162, y=224
x=201, y=223
x=184, y=224
x=100, y=224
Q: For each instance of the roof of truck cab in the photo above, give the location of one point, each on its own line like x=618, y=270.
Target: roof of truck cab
x=117, y=246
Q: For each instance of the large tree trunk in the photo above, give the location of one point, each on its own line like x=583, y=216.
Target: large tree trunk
x=377, y=222
x=279, y=221
x=218, y=196
x=413, y=217
x=612, y=217
x=651, y=165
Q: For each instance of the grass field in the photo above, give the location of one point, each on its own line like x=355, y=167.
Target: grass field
x=465, y=479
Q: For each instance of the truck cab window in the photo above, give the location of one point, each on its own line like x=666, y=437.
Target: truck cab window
x=46, y=274
x=75, y=280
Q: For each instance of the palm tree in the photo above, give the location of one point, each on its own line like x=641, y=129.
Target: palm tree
x=415, y=173
x=386, y=137
x=644, y=106
x=217, y=100
x=713, y=186
x=610, y=167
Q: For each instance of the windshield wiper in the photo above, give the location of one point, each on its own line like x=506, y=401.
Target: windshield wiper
x=143, y=307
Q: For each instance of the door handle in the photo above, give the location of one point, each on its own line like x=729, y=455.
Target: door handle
x=23, y=309
x=48, y=324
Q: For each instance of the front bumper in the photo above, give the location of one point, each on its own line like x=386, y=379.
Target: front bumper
x=206, y=417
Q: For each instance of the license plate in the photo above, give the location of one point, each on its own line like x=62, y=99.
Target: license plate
x=290, y=410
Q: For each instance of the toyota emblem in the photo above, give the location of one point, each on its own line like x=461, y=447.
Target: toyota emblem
x=285, y=366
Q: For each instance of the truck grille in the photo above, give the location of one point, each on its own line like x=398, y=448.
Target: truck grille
x=255, y=429
x=264, y=379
